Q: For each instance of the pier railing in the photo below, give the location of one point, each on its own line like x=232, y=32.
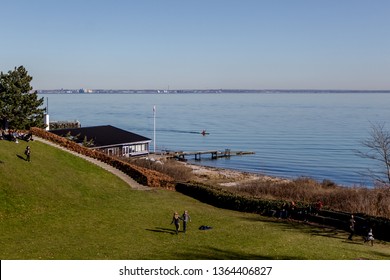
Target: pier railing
x=214, y=154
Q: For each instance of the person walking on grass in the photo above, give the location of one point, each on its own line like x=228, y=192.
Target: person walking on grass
x=176, y=220
x=370, y=237
x=27, y=152
x=351, y=227
x=186, y=218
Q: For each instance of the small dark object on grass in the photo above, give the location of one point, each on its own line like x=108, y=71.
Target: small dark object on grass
x=205, y=227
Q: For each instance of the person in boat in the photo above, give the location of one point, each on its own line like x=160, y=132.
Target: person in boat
x=203, y=132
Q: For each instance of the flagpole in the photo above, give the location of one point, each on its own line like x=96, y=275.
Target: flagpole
x=154, y=127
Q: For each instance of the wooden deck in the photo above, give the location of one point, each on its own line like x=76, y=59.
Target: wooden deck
x=214, y=154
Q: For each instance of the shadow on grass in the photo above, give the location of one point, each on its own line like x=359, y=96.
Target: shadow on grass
x=355, y=241
x=306, y=227
x=318, y=230
x=162, y=230
x=21, y=157
x=383, y=255
x=211, y=253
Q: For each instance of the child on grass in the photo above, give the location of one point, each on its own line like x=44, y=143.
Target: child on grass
x=370, y=237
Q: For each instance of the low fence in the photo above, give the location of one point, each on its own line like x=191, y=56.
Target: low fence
x=143, y=176
x=223, y=199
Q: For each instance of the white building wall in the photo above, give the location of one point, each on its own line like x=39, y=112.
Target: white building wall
x=46, y=121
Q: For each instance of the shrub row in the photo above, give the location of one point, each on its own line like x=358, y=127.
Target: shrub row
x=222, y=198
x=143, y=176
x=371, y=201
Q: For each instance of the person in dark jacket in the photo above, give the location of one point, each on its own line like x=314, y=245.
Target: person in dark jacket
x=351, y=227
x=176, y=220
x=186, y=218
x=27, y=152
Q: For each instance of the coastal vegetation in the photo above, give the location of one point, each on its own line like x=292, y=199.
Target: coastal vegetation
x=370, y=201
x=374, y=201
x=59, y=206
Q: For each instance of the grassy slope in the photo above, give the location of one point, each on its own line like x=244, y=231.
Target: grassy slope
x=61, y=207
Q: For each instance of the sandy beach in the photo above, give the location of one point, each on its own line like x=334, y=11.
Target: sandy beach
x=227, y=177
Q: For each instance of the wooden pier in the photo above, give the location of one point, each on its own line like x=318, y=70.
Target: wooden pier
x=215, y=154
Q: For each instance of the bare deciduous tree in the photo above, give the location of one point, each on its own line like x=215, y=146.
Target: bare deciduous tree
x=378, y=148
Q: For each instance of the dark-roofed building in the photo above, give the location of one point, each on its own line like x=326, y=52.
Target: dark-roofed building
x=109, y=139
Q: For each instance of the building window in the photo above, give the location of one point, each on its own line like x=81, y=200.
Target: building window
x=125, y=151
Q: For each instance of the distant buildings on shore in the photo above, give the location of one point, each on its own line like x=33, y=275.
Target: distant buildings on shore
x=83, y=90
x=162, y=91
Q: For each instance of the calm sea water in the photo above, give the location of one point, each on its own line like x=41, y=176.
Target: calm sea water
x=292, y=134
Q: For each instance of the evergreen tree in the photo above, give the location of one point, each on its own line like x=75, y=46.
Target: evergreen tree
x=20, y=107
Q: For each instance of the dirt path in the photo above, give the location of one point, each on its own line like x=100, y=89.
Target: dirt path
x=130, y=181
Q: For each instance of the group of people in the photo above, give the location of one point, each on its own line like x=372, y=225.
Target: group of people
x=368, y=238
x=11, y=135
x=287, y=210
x=290, y=210
x=185, y=217
x=15, y=136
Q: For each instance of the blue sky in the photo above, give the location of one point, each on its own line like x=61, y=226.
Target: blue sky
x=198, y=44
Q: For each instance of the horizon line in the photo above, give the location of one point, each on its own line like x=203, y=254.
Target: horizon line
x=219, y=89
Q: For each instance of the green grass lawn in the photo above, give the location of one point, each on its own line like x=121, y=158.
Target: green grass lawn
x=59, y=206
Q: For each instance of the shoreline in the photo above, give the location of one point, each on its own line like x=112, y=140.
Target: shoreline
x=223, y=177
x=228, y=177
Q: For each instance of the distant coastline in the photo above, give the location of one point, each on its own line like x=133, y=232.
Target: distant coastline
x=200, y=91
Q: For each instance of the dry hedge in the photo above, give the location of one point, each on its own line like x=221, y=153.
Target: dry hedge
x=375, y=201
